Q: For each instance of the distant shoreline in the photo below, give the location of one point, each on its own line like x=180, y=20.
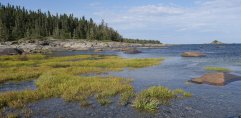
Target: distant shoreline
x=42, y=46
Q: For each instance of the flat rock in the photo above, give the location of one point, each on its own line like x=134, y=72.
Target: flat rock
x=193, y=54
x=219, y=79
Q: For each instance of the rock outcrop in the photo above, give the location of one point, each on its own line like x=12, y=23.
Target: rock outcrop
x=193, y=54
x=218, y=79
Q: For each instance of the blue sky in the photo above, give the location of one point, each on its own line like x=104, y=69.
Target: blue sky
x=170, y=21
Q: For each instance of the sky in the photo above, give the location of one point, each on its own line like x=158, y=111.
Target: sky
x=170, y=21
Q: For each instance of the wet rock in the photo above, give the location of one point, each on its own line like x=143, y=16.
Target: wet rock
x=11, y=51
x=218, y=79
x=132, y=51
x=193, y=54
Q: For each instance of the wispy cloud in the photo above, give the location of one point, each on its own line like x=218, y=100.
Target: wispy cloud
x=156, y=10
x=213, y=17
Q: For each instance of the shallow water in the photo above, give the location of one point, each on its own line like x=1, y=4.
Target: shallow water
x=174, y=72
x=17, y=86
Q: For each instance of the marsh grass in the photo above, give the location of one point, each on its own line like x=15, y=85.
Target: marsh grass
x=126, y=96
x=20, y=74
x=23, y=57
x=218, y=69
x=15, y=69
x=151, y=98
x=61, y=77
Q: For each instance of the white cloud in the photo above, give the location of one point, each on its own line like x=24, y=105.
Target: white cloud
x=220, y=17
x=156, y=10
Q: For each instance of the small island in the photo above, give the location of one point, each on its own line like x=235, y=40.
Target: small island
x=216, y=42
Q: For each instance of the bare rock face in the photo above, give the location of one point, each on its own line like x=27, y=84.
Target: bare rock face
x=11, y=51
x=132, y=51
x=219, y=79
x=193, y=54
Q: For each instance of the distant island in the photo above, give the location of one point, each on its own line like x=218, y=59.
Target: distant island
x=216, y=42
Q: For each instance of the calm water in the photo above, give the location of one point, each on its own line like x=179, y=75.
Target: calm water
x=207, y=101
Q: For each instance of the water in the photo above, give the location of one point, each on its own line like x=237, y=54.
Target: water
x=17, y=86
x=174, y=72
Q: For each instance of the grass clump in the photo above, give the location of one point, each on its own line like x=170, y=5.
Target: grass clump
x=68, y=87
x=126, y=96
x=151, y=98
x=218, y=69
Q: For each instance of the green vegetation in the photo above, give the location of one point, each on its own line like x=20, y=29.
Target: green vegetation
x=62, y=77
x=18, y=23
x=218, y=69
x=151, y=98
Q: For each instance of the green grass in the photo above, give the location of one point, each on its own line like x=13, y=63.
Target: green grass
x=23, y=57
x=151, y=98
x=218, y=69
x=63, y=77
x=15, y=69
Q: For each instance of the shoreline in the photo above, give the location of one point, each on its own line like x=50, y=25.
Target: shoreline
x=43, y=46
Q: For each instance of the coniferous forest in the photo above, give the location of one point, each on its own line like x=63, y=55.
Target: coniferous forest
x=19, y=23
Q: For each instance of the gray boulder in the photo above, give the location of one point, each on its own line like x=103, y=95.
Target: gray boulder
x=11, y=51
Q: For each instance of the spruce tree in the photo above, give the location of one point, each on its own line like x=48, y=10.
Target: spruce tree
x=2, y=32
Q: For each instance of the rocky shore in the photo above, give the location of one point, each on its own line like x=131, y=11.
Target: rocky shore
x=37, y=46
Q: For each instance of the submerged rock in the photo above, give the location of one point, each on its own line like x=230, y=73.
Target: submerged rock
x=132, y=51
x=218, y=79
x=11, y=51
x=193, y=54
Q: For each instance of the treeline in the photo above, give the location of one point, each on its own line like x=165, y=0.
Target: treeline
x=141, y=41
x=17, y=23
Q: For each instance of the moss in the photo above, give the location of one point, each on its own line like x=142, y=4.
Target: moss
x=218, y=69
